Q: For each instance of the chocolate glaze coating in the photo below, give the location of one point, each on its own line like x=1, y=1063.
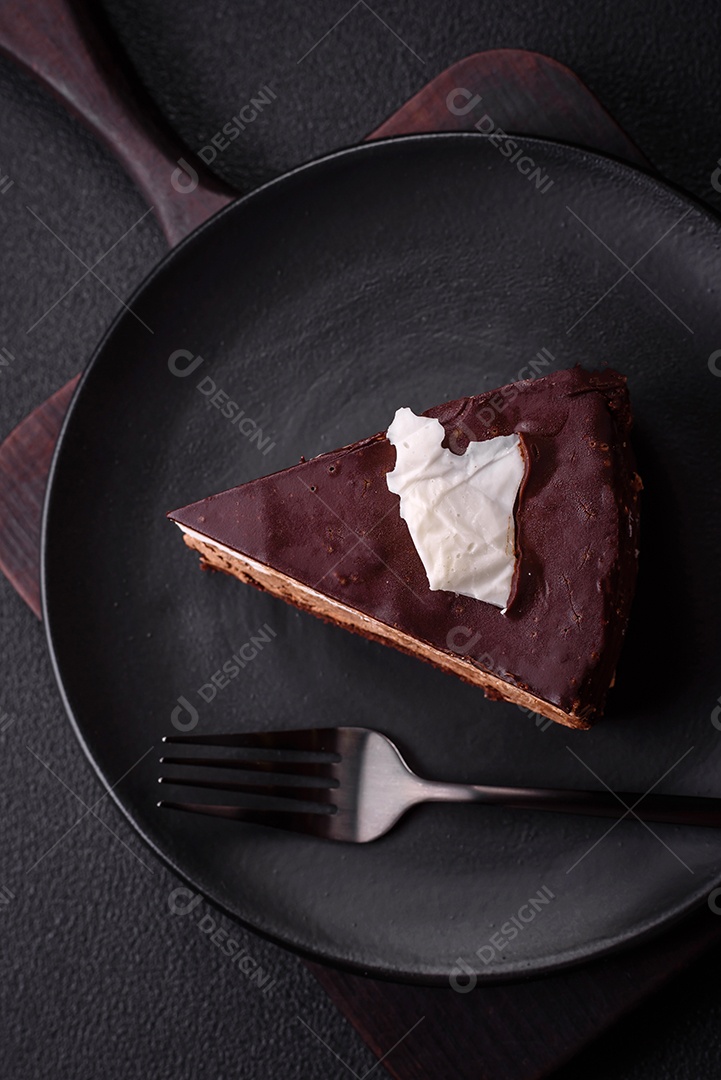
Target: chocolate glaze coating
x=331, y=523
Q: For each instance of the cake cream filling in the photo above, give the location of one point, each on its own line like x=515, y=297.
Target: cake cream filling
x=458, y=507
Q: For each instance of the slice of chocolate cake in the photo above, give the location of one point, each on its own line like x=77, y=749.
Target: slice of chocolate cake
x=496, y=536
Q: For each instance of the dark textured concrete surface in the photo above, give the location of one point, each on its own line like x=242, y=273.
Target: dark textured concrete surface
x=99, y=977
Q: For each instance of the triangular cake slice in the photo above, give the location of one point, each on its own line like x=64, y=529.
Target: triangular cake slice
x=327, y=535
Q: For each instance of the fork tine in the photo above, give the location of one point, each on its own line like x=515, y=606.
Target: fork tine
x=282, y=768
x=313, y=824
x=320, y=795
x=319, y=739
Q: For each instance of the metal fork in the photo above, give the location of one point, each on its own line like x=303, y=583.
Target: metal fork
x=352, y=784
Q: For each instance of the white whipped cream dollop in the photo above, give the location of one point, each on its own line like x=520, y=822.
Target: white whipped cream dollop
x=458, y=507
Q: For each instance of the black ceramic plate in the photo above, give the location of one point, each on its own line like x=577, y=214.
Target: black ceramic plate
x=401, y=273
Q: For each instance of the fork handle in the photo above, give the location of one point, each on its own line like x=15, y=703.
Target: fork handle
x=674, y=809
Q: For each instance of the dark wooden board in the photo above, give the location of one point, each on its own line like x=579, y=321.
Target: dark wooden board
x=515, y=1031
